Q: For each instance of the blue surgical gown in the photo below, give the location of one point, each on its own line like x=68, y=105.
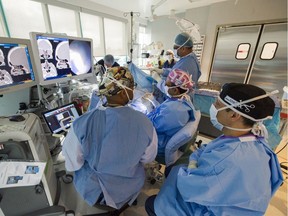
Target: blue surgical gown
x=107, y=147
x=168, y=118
x=188, y=64
x=235, y=176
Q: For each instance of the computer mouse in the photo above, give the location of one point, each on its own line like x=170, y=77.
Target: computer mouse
x=16, y=118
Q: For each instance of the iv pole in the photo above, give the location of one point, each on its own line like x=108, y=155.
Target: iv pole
x=131, y=32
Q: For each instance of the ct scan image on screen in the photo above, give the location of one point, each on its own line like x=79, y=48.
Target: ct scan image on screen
x=15, y=65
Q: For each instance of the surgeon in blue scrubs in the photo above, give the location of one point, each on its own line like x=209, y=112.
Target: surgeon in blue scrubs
x=107, y=147
x=175, y=112
x=188, y=62
x=235, y=174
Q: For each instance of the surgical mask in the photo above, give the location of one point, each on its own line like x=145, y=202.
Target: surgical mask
x=213, y=118
x=175, y=51
x=181, y=96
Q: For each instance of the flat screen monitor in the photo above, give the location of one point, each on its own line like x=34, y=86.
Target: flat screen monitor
x=59, y=58
x=60, y=119
x=16, y=65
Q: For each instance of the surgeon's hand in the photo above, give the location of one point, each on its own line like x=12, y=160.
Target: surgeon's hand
x=148, y=96
x=157, y=70
x=192, y=164
x=156, y=76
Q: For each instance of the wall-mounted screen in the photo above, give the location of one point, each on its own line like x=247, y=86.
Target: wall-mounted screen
x=60, y=58
x=16, y=65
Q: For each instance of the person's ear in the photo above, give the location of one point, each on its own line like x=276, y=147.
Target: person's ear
x=234, y=116
x=124, y=95
x=175, y=91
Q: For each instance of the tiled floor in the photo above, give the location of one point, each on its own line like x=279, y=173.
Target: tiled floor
x=70, y=198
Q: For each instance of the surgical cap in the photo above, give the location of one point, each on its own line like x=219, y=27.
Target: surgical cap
x=115, y=79
x=109, y=59
x=255, y=110
x=180, y=78
x=184, y=40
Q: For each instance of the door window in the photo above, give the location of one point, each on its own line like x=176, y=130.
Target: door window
x=243, y=51
x=269, y=50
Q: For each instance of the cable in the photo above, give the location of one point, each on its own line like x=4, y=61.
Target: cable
x=283, y=166
x=282, y=148
x=285, y=173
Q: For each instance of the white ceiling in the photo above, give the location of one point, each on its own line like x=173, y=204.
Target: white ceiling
x=162, y=7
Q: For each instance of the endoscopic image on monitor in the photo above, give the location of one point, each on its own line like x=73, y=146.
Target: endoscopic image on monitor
x=80, y=57
x=15, y=65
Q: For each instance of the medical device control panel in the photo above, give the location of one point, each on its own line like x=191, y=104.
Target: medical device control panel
x=30, y=130
x=15, y=127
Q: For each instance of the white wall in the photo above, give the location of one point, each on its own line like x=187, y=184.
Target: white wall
x=209, y=17
x=164, y=29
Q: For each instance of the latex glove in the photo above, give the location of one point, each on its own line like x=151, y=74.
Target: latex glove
x=192, y=164
x=148, y=96
x=156, y=76
x=157, y=70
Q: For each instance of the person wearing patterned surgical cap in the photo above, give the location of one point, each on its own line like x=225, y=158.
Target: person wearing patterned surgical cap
x=115, y=80
x=99, y=144
x=235, y=174
x=175, y=112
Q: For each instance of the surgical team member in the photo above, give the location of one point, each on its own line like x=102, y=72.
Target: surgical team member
x=183, y=48
x=108, y=146
x=170, y=60
x=107, y=62
x=174, y=113
x=235, y=174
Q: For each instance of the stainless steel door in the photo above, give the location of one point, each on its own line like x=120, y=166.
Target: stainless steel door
x=269, y=70
x=226, y=66
x=255, y=54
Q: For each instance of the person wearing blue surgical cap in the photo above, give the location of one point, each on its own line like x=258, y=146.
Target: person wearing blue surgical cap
x=107, y=62
x=107, y=147
x=174, y=113
x=235, y=174
x=183, y=48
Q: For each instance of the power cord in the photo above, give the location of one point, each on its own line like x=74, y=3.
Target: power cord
x=284, y=166
x=282, y=148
